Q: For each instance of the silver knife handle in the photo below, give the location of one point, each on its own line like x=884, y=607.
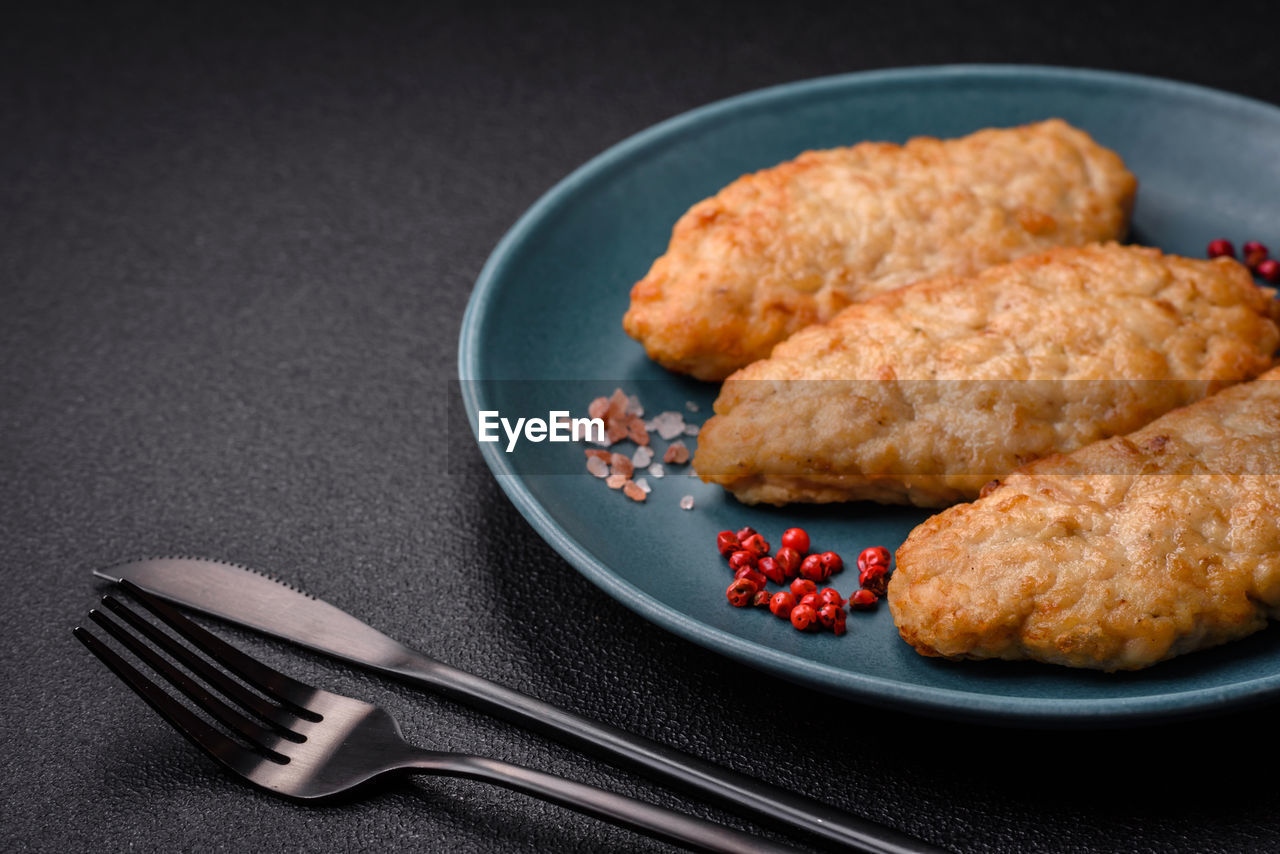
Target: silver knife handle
x=757, y=800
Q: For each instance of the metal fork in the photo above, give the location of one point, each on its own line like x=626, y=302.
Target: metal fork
x=308, y=743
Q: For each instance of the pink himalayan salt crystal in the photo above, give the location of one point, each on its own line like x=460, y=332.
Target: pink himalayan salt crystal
x=635, y=493
x=597, y=467
x=686, y=503
x=615, y=431
x=668, y=424
x=616, y=481
x=677, y=453
x=621, y=464
x=636, y=431
x=598, y=453
x=621, y=416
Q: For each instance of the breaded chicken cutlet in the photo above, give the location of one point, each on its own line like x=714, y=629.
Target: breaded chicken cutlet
x=924, y=394
x=1114, y=557
x=790, y=246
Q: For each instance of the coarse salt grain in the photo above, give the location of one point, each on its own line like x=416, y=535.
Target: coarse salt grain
x=656, y=470
x=634, y=492
x=686, y=503
x=643, y=484
x=616, y=481
x=621, y=464
x=691, y=429
x=677, y=452
x=691, y=406
x=636, y=431
x=615, y=431
x=597, y=467
x=621, y=415
x=642, y=457
x=669, y=424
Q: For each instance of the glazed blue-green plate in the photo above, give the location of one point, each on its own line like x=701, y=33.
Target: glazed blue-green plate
x=548, y=306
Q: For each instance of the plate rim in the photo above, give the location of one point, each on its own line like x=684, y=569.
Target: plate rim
x=927, y=700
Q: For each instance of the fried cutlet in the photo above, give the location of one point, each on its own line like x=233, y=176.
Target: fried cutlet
x=924, y=394
x=790, y=246
x=1114, y=557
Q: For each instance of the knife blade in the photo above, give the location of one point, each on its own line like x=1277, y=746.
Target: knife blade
x=258, y=601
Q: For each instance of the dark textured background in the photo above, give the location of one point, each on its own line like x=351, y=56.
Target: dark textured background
x=235, y=248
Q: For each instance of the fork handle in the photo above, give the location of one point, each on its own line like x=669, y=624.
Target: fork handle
x=754, y=799
x=638, y=815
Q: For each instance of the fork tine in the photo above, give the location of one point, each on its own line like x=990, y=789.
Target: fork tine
x=255, y=733
x=279, y=718
x=214, y=743
x=271, y=682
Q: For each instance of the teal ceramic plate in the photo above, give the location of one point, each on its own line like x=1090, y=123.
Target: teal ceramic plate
x=549, y=302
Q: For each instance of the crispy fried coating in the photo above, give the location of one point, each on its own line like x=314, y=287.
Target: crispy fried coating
x=1119, y=555
x=790, y=246
x=924, y=394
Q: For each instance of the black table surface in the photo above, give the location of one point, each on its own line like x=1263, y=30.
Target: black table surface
x=236, y=249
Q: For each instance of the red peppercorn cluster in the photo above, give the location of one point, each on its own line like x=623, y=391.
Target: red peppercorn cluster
x=800, y=571
x=1256, y=257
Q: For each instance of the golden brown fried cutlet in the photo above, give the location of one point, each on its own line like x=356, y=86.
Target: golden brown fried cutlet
x=790, y=246
x=1114, y=557
x=924, y=394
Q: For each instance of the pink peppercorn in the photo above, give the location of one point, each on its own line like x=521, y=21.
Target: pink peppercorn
x=803, y=616
x=739, y=559
x=862, y=600
x=802, y=586
x=814, y=569
x=1270, y=270
x=782, y=603
x=1221, y=249
x=789, y=561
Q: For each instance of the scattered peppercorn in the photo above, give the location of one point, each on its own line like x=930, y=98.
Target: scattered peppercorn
x=829, y=614
x=831, y=562
x=742, y=592
x=829, y=596
x=772, y=570
x=796, y=538
x=1254, y=254
x=1221, y=248
x=814, y=569
x=727, y=542
x=1270, y=270
x=802, y=586
x=874, y=578
x=803, y=616
x=781, y=603
x=874, y=554
x=757, y=545
x=862, y=600
x=802, y=603
x=788, y=560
